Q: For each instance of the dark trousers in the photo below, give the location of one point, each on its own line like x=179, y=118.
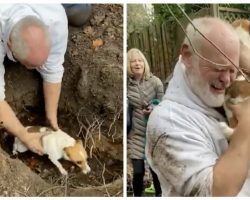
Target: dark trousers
x=139, y=171
x=156, y=182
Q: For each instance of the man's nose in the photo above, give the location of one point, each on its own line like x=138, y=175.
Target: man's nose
x=225, y=77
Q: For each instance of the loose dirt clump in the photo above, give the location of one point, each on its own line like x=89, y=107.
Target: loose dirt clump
x=90, y=108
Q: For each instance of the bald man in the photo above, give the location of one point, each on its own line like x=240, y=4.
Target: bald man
x=36, y=36
x=185, y=143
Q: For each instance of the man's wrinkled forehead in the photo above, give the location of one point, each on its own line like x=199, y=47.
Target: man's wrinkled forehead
x=224, y=38
x=228, y=51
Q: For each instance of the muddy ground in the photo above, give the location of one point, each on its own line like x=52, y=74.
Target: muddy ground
x=90, y=108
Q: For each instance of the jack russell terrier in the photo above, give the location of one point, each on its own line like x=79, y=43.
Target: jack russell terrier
x=240, y=88
x=238, y=92
x=57, y=145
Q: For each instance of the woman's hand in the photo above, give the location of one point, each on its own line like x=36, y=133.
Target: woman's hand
x=148, y=110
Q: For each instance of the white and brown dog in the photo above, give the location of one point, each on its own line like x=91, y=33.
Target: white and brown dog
x=238, y=92
x=57, y=145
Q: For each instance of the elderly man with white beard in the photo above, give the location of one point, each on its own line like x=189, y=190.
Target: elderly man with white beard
x=185, y=144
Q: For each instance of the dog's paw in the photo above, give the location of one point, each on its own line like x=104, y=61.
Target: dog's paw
x=226, y=130
x=14, y=152
x=63, y=172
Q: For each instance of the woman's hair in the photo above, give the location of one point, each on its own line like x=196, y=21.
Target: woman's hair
x=19, y=46
x=130, y=53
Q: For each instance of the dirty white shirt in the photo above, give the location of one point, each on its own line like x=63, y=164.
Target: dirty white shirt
x=184, y=141
x=55, y=19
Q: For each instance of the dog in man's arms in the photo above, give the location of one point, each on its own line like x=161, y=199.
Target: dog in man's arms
x=239, y=91
x=57, y=145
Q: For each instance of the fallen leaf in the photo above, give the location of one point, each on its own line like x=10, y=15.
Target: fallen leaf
x=97, y=43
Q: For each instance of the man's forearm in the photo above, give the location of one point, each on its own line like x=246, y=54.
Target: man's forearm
x=231, y=170
x=10, y=122
x=51, y=97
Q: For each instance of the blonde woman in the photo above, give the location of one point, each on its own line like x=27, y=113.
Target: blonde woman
x=143, y=87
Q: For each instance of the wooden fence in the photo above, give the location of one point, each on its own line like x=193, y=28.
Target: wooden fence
x=160, y=43
x=155, y=42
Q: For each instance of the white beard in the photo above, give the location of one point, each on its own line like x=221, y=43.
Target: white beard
x=202, y=88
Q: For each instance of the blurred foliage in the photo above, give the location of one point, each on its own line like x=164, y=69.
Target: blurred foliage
x=138, y=17
x=239, y=6
x=142, y=15
x=162, y=13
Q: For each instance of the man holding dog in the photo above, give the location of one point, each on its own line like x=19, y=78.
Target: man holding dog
x=36, y=36
x=185, y=144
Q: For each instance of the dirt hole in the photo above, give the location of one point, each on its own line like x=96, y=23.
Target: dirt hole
x=104, y=169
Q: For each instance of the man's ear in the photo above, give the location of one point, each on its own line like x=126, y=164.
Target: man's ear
x=186, y=55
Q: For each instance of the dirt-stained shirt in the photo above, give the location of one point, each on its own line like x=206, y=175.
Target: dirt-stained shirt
x=184, y=141
x=54, y=17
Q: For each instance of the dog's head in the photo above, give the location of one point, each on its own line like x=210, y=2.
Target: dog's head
x=78, y=155
x=243, y=23
x=238, y=91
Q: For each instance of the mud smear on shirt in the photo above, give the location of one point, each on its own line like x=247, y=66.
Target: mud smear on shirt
x=161, y=150
x=163, y=157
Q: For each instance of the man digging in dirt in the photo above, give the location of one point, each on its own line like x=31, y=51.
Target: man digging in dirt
x=36, y=36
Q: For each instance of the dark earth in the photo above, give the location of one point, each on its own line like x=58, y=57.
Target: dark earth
x=90, y=108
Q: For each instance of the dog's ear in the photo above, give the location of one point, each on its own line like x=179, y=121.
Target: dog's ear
x=66, y=151
x=79, y=141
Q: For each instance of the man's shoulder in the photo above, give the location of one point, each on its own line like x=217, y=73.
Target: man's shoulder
x=51, y=14
x=173, y=118
x=171, y=110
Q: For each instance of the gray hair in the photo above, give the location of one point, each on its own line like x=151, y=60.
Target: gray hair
x=19, y=46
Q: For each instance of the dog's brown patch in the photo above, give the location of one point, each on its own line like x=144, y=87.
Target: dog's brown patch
x=77, y=154
x=244, y=23
x=239, y=88
x=233, y=122
x=33, y=129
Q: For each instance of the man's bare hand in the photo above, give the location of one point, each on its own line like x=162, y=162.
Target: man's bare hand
x=33, y=142
x=53, y=123
x=242, y=110
x=147, y=111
